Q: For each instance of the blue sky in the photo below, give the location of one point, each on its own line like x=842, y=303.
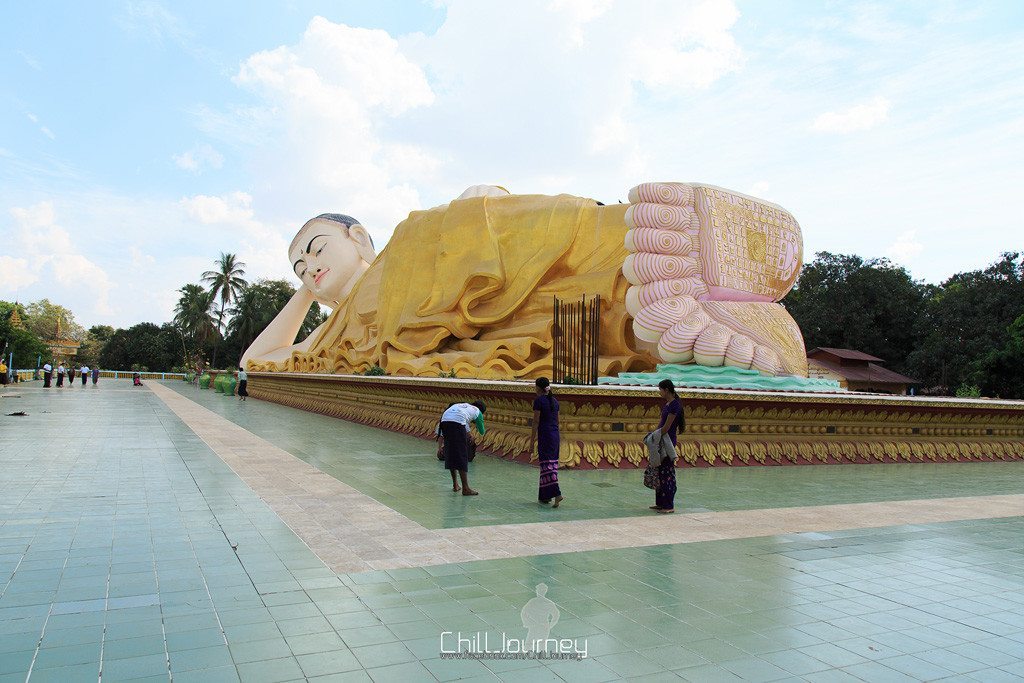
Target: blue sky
x=139, y=139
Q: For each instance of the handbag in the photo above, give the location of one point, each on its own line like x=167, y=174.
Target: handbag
x=651, y=480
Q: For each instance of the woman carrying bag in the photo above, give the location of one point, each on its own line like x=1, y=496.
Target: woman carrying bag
x=661, y=444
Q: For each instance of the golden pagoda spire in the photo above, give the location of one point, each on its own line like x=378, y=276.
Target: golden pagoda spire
x=15, y=319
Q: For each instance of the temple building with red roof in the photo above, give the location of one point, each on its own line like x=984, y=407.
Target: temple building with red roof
x=856, y=371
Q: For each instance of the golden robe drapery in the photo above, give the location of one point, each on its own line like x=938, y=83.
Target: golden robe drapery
x=468, y=288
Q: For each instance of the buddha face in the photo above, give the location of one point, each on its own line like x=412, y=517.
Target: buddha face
x=327, y=256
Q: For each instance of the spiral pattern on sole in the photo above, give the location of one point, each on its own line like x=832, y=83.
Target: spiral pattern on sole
x=642, y=268
x=680, y=194
x=740, y=352
x=644, y=295
x=766, y=361
x=651, y=322
x=662, y=217
x=709, y=348
x=678, y=340
x=658, y=241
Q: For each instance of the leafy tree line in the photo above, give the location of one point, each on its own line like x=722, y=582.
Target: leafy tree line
x=214, y=322
x=965, y=335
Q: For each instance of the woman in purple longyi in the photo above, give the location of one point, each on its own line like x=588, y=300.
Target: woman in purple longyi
x=671, y=423
x=545, y=438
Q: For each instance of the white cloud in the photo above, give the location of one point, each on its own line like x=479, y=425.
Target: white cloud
x=905, y=248
x=858, y=117
x=579, y=96
x=261, y=246
x=16, y=273
x=57, y=258
x=234, y=209
x=327, y=100
x=42, y=129
x=760, y=189
x=153, y=22
x=30, y=60
x=199, y=158
x=366, y=124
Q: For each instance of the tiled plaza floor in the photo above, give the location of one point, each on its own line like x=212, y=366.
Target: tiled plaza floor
x=129, y=549
x=402, y=472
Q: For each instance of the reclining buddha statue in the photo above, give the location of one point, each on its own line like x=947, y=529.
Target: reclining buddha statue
x=687, y=273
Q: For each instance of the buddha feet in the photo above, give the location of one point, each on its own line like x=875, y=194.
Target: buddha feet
x=707, y=267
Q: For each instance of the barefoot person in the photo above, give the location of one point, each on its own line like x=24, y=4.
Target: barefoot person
x=671, y=423
x=95, y=375
x=85, y=374
x=545, y=438
x=455, y=424
x=60, y=375
x=47, y=375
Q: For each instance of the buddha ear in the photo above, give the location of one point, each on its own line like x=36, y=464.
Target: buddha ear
x=364, y=245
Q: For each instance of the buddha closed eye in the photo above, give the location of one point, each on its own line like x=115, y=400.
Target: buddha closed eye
x=327, y=253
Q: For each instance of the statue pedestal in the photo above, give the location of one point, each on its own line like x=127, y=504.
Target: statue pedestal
x=602, y=426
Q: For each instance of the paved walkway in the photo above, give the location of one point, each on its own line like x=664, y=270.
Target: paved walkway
x=130, y=550
x=351, y=531
x=400, y=472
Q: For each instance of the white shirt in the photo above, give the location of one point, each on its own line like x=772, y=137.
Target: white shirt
x=85, y=370
x=243, y=376
x=463, y=413
x=47, y=367
x=60, y=369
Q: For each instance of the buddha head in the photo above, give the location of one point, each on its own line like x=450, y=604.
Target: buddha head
x=329, y=253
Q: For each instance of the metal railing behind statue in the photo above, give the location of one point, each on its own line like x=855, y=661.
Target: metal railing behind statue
x=576, y=333
x=27, y=375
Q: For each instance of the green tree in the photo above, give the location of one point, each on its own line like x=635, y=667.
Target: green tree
x=1000, y=372
x=256, y=306
x=967, y=319
x=42, y=318
x=145, y=346
x=873, y=306
x=95, y=339
x=225, y=283
x=193, y=318
x=26, y=346
x=101, y=333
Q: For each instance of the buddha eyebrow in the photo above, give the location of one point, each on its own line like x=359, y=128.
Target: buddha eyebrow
x=298, y=262
x=310, y=245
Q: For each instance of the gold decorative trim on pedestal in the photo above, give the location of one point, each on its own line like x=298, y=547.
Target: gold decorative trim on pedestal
x=603, y=426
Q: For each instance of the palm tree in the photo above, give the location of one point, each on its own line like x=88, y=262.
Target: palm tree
x=193, y=314
x=226, y=283
x=249, y=315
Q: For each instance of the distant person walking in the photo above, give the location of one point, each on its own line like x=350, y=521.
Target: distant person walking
x=95, y=375
x=3, y=373
x=71, y=375
x=60, y=375
x=455, y=423
x=243, y=382
x=85, y=374
x=546, y=439
x=47, y=375
x=671, y=422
